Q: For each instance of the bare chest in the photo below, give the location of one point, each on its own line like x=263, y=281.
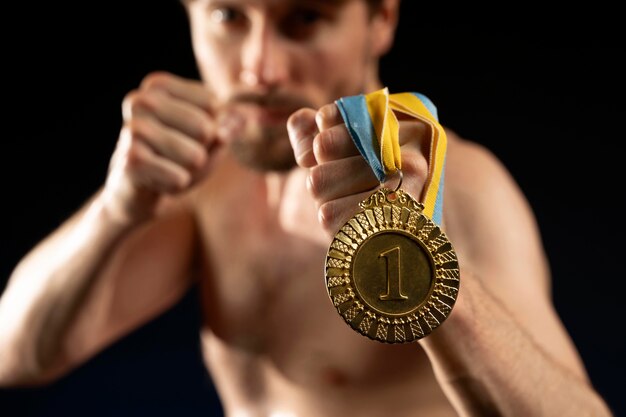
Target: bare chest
x=265, y=299
x=272, y=338
x=266, y=286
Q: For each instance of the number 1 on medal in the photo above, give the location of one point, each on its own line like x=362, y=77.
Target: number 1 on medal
x=392, y=256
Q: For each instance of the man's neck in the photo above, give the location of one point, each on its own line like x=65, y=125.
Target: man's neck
x=275, y=188
x=289, y=203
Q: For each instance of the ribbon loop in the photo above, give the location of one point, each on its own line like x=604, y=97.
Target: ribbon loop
x=374, y=127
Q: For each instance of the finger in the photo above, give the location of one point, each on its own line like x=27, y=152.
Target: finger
x=414, y=172
x=415, y=132
x=223, y=123
x=172, y=112
x=154, y=172
x=328, y=116
x=169, y=143
x=415, y=141
x=335, y=213
x=340, y=178
x=182, y=88
x=302, y=129
x=333, y=143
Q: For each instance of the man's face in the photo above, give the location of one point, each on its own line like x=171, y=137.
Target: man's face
x=264, y=59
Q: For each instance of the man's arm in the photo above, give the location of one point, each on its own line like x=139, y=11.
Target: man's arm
x=489, y=365
x=503, y=351
x=126, y=255
x=86, y=285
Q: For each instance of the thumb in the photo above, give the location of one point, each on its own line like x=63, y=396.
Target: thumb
x=302, y=129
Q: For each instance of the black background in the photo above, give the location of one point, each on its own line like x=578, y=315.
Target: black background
x=545, y=96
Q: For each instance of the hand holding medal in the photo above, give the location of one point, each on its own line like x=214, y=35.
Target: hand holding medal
x=390, y=271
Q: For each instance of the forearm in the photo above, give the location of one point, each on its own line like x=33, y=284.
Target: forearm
x=488, y=365
x=47, y=289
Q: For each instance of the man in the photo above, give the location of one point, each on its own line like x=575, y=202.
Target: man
x=208, y=186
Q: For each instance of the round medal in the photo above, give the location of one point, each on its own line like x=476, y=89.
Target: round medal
x=391, y=272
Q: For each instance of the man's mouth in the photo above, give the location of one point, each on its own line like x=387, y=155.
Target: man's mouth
x=267, y=109
x=272, y=114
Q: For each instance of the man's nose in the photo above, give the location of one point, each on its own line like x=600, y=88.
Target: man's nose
x=264, y=60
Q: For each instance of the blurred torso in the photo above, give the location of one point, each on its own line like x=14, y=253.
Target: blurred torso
x=273, y=341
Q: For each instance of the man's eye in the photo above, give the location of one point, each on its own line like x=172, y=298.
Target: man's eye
x=226, y=15
x=306, y=16
x=302, y=23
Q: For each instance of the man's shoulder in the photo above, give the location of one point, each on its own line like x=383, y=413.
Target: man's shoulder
x=478, y=184
x=472, y=163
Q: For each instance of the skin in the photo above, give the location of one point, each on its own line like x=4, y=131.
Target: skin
x=207, y=186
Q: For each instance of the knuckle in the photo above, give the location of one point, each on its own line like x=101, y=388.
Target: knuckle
x=300, y=124
x=156, y=80
x=130, y=97
x=198, y=157
x=204, y=127
x=327, y=215
x=326, y=115
x=139, y=127
x=415, y=129
x=415, y=165
x=135, y=158
x=129, y=102
x=317, y=181
x=180, y=181
x=324, y=143
x=134, y=102
x=298, y=117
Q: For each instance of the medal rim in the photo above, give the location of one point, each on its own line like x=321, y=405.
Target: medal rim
x=386, y=319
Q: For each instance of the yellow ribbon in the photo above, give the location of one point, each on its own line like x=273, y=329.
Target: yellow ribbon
x=382, y=107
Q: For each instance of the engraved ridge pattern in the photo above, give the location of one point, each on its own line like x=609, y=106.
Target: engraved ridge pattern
x=399, y=333
x=366, y=323
x=412, y=223
x=336, y=281
x=348, y=230
x=453, y=274
x=337, y=263
x=416, y=329
x=380, y=219
x=395, y=217
x=340, y=246
x=343, y=297
x=441, y=307
x=447, y=291
x=381, y=331
x=362, y=219
x=353, y=311
x=442, y=258
x=380, y=213
x=437, y=242
x=424, y=232
x=431, y=320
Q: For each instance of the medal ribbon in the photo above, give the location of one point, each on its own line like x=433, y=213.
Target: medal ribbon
x=374, y=128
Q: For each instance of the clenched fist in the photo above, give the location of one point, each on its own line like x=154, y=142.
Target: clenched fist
x=170, y=130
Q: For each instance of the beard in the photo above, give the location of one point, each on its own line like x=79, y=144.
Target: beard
x=263, y=146
x=265, y=149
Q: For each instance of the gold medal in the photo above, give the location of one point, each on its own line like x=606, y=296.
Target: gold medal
x=391, y=272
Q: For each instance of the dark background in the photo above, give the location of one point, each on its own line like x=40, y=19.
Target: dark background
x=547, y=97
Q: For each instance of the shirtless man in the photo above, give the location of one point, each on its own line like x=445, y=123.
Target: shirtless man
x=206, y=186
